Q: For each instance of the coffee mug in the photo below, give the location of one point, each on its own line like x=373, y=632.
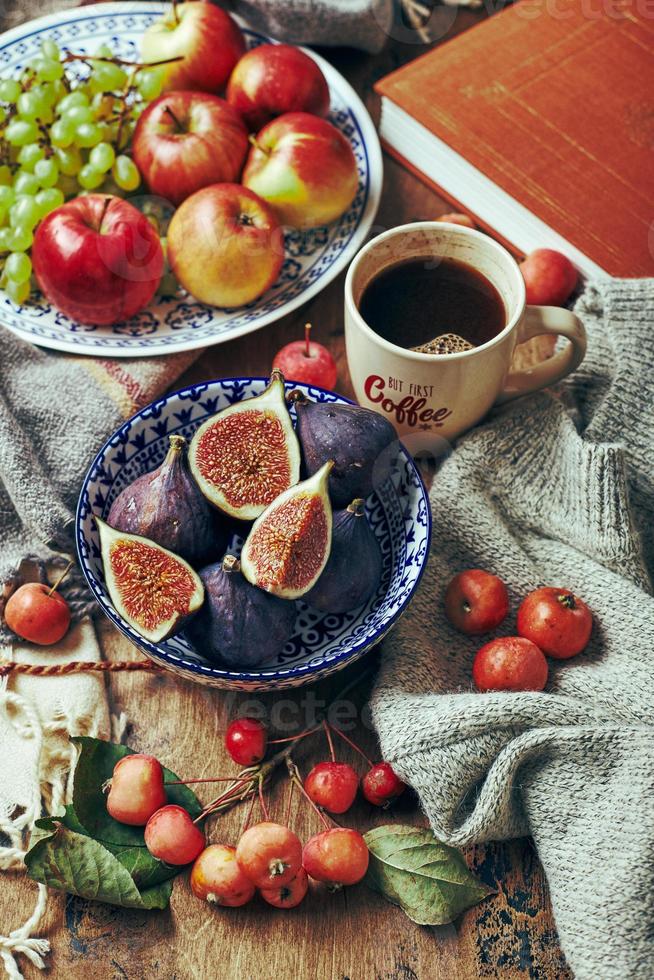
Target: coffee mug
x=443, y=395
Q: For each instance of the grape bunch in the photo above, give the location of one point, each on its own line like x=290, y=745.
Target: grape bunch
x=65, y=128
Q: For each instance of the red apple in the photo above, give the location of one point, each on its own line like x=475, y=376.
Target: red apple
x=37, y=614
x=305, y=168
x=225, y=245
x=549, y=276
x=188, y=140
x=277, y=78
x=97, y=258
x=208, y=39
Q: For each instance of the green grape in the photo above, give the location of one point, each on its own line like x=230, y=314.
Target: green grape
x=89, y=178
x=72, y=100
x=48, y=70
x=34, y=104
x=149, y=82
x=10, y=89
x=102, y=157
x=24, y=213
x=49, y=199
x=21, y=131
x=7, y=196
x=6, y=176
x=167, y=285
x=47, y=172
x=20, y=238
x=50, y=49
x=6, y=235
x=26, y=183
x=126, y=173
x=104, y=51
x=30, y=154
x=62, y=132
x=107, y=77
x=18, y=267
x=88, y=134
x=110, y=132
x=79, y=114
x=18, y=291
x=3, y=114
x=69, y=160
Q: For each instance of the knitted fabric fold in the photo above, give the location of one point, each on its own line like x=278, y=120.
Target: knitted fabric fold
x=551, y=491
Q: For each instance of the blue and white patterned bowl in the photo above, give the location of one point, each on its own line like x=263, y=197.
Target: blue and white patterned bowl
x=398, y=512
x=178, y=323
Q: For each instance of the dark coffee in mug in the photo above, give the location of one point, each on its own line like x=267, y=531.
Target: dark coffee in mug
x=416, y=300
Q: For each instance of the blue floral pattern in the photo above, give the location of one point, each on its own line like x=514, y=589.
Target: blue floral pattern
x=398, y=512
x=175, y=323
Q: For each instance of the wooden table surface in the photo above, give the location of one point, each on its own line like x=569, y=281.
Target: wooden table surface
x=354, y=934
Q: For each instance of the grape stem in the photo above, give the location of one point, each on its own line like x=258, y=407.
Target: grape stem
x=89, y=58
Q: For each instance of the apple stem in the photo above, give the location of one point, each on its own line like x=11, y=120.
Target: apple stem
x=175, y=14
x=253, y=140
x=61, y=577
x=180, y=128
x=105, y=206
x=307, y=340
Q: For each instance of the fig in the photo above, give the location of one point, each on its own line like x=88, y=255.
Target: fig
x=167, y=507
x=239, y=625
x=354, y=569
x=153, y=589
x=357, y=439
x=288, y=546
x=246, y=455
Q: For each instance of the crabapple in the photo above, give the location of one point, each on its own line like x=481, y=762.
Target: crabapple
x=246, y=740
x=172, y=837
x=557, y=621
x=476, y=601
x=269, y=854
x=136, y=790
x=510, y=663
x=37, y=614
x=289, y=895
x=332, y=785
x=338, y=856
x=217, y=878
x=380, y=785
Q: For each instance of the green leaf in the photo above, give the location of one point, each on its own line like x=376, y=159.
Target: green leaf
x=75, y=863
x=429, y=880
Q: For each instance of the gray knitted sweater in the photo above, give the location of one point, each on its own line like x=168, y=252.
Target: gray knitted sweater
x=552, y=491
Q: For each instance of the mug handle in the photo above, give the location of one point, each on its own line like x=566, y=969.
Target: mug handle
x=546, y=320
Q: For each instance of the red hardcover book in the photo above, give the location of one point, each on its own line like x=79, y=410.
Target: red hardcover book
x=540, y=123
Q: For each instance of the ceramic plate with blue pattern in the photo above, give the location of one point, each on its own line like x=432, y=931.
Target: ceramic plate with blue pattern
x=178, y=323
x=398, y=512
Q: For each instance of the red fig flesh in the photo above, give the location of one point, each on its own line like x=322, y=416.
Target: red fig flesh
x=289, y=544
x=167, y=507
x=153, y=589
x=245, y=456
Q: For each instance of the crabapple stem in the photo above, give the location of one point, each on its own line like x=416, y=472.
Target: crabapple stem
x=352, y=745
x=264, y=808
x=291, y=787
x=329, y=740
x=294, y=774
x=307, y=340
x=61, y=577
x=294, y=738
x=191, y=782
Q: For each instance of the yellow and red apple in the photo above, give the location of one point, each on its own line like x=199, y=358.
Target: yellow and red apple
x=277, y=78
x=225, y=245
x=188, y=140
x=304, y=168
x=208, y=41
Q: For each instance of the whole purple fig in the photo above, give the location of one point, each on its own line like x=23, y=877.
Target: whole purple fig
x=353, y=571
x=167, y=507
x=239, y=625
x=360, y=441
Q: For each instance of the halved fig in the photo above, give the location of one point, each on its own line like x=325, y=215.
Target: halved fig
x=289, y=545
x=167, y=507
x=361, y=443
x=246, y=455
x=153, y=589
